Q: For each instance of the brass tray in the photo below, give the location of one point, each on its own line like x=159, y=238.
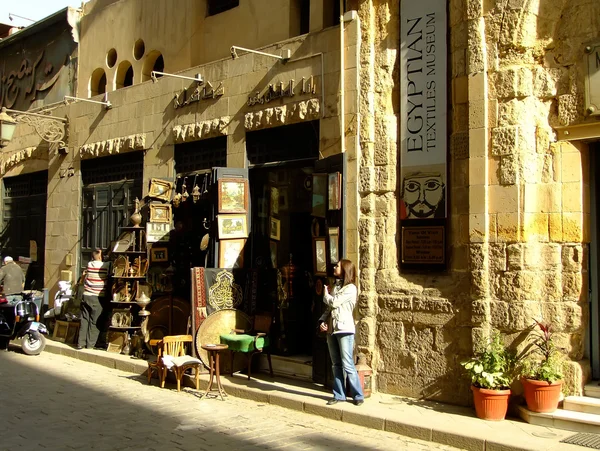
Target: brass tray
x=221, y=322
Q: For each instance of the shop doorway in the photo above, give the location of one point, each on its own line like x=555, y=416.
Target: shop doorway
x=24, y=220
x=282, y=162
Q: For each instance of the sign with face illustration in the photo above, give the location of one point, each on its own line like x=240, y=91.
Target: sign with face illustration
x=423, y=195
x=423, y=94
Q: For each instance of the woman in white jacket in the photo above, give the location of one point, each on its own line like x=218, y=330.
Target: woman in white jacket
x=339, y=322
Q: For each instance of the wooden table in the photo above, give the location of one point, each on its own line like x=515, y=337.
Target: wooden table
x=214, y=352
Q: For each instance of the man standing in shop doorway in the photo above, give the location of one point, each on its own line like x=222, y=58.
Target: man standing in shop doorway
x=12, y=280
x=94, y=290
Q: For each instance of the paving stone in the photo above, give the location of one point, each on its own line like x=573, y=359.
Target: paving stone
x=76, y=404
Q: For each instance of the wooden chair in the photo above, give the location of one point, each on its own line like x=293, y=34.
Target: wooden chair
x=172, y=355
x=251, y=342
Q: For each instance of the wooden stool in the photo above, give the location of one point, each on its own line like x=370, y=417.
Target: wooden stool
x=214, y=363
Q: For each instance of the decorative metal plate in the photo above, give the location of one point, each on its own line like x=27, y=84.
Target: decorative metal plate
x=216, y=324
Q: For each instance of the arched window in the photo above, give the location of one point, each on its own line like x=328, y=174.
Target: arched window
x=124, y=76
x=153, y=61
x=97, y=83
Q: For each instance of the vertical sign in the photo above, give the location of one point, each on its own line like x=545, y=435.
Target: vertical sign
x=423, y=62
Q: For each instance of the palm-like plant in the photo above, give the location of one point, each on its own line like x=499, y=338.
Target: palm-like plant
x=549, y=367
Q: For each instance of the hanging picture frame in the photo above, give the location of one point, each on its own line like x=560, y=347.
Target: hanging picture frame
x=319, y=256
x=160, y=189
x=334, y=191
x=231, y=253
x=274, y=228
x=160, y=213
x=334, y=251
x=319, y=195
x=274, y=201
x=232, y=226
x=159, y=254
x=233, y=195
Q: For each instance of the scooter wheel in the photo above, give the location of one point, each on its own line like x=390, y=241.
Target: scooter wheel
x=33, y=343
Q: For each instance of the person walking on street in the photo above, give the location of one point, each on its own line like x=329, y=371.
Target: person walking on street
x=339, y=322
x=12, y=279
x=94, y=283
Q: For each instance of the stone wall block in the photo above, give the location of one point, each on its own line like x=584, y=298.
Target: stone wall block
x=367, y=179
x=512, y=83
x=479, y=284
x=499, y=317
x=390, y=335
x=515, y=257
x=568, y=109
x=509, y=170
x=565, y=316
x=385, y=178
x=477, y=253
x=544, y=136
x=505, y=140
x=367, y=304
x=572, y=287
x=546, y=256
x=497, y=257
x=365, y=333
x=545, y=82
x=521, y=314
x=574, y=374
x=551, y=286
x=520, y=286
x=367, y=280
x=572, y=257
x=548, y=174
x=475, y=55
x=367, y=204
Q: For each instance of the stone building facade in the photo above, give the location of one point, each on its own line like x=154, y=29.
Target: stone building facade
x=520, y=222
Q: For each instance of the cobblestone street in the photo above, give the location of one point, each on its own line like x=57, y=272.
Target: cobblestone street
x=54, y=402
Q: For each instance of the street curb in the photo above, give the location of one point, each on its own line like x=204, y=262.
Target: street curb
x=314, y=403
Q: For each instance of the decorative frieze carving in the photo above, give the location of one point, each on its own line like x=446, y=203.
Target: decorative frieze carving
x=201, y=130
x=9, y=161
x=306, y=110
x=113, y=146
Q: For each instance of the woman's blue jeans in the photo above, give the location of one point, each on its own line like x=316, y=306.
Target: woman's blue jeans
x=341, y=351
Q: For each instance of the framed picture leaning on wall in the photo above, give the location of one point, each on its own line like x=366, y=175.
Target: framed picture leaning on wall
x=231, y=253
x=233, y=195
x=319, y=256
x=232, y=226
x=160, y=213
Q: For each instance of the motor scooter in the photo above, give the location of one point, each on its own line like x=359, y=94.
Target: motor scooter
x=19, y=320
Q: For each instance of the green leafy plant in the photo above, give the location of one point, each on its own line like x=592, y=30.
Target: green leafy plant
x=493, y=367
x=544, y=360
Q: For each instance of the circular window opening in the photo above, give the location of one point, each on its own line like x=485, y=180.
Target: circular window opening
x=111, y=58
x=139, y=49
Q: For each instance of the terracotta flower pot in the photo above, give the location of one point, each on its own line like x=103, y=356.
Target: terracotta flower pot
x=541, y=396
x=490, y=405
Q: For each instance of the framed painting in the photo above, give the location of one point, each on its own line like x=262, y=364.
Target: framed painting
x=319, y=194
x=231, y=253
x=274, y=200
x=319, y=256
x=159, y=254
x=274, y=229
x=160, y=213
x=232, y=226
x=160, y=189
x=334, y=251
x=334, y=191
x=233, y=195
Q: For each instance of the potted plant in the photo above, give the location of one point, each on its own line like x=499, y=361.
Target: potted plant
x=541, y=373
x=491, y=371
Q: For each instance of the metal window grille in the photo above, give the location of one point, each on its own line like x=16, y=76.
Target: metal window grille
x=113, y=169
x=200, y=155
x=292, y=142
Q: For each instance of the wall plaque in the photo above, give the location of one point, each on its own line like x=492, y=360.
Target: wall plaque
x=423, y=245
x=592, y=80
x=157, y=232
